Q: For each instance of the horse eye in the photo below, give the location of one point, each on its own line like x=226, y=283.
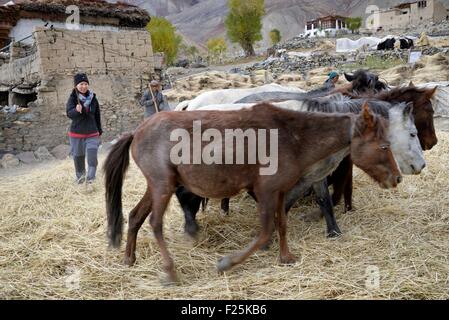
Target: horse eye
x=412, y=135
x=384, y=147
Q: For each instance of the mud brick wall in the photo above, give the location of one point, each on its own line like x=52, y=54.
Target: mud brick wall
x=119, y=66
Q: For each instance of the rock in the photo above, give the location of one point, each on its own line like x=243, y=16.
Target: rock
x=176, y=71
x=184, y=63
x=32, y=104
x=42, y=154
x=27, y=157
x=61, y=152
x=28, y=117
x=198, y=65
x=9, y=161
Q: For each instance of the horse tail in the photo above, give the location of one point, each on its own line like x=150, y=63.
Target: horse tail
x=114, y=168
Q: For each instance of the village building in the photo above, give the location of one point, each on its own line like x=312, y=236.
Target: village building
x=325, y=26
x=41, y=53
x=412, y=13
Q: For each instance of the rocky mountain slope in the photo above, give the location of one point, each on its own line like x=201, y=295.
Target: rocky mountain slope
x=202, y=19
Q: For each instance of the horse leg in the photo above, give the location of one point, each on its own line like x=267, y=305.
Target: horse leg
x=136, y=218
x=267, y=207
x=289, y=200
x=285, y=256
x=190, y=204
x=348, y=190
x=160, y=201
x=225, y=205
x=324, y=200
x=338, y=179
x=296, y=193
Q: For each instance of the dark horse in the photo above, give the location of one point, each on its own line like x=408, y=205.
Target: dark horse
x=303, y=140
x=423, y=115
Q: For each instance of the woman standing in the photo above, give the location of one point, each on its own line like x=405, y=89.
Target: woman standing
x=85, y=131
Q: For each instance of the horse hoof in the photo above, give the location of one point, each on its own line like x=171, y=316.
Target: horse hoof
x=287, y=259
x=192, y=229
x=170, y=280
x=129, y=261
x=334, y=233
x=349, y=208
x=224, y=264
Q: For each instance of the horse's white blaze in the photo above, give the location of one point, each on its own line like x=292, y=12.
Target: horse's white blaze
x=225, y=96
x=403, y=137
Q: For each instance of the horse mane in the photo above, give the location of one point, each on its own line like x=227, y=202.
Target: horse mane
x=395, y=93
x=345, y=105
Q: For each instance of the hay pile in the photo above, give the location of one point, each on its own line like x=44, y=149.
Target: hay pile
x=52, y=234
x=315, y=78
x=326, y=45
x=192, y=86
x=440, y=42
x=428, y=69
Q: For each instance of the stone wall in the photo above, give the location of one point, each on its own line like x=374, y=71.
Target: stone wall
x=118, y=64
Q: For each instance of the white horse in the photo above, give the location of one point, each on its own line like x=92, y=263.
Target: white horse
x=223, y=96
x=403, y=136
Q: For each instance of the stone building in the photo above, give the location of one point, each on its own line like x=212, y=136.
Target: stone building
x=328, y=25
x=36, y=77
x=412, y=13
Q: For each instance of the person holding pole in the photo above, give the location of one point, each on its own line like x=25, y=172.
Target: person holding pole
x=153, y=100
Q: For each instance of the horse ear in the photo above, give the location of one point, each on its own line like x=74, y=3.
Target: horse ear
x=431, y=92
x=411, y=84
x=349, y=77
x=408, y=110
x=368, y=116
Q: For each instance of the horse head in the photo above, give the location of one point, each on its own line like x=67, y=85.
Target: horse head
x=364, y=81
x=371, y=151
x=403, y=136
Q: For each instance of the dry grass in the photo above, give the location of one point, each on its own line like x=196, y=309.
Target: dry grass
x=52, y=230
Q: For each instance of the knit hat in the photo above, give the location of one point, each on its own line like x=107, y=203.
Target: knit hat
x=80, y=77
x=154, y=83
x=332, y=74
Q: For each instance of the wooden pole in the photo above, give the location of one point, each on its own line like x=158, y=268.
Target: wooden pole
x=154, y=100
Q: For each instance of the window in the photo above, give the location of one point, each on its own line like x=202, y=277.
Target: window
x=23, y=98
x=327, y=24
x=4, y=98
x=422, y=4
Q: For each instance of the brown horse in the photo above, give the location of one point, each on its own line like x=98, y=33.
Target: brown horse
x=423, y=115
x=303, y=140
